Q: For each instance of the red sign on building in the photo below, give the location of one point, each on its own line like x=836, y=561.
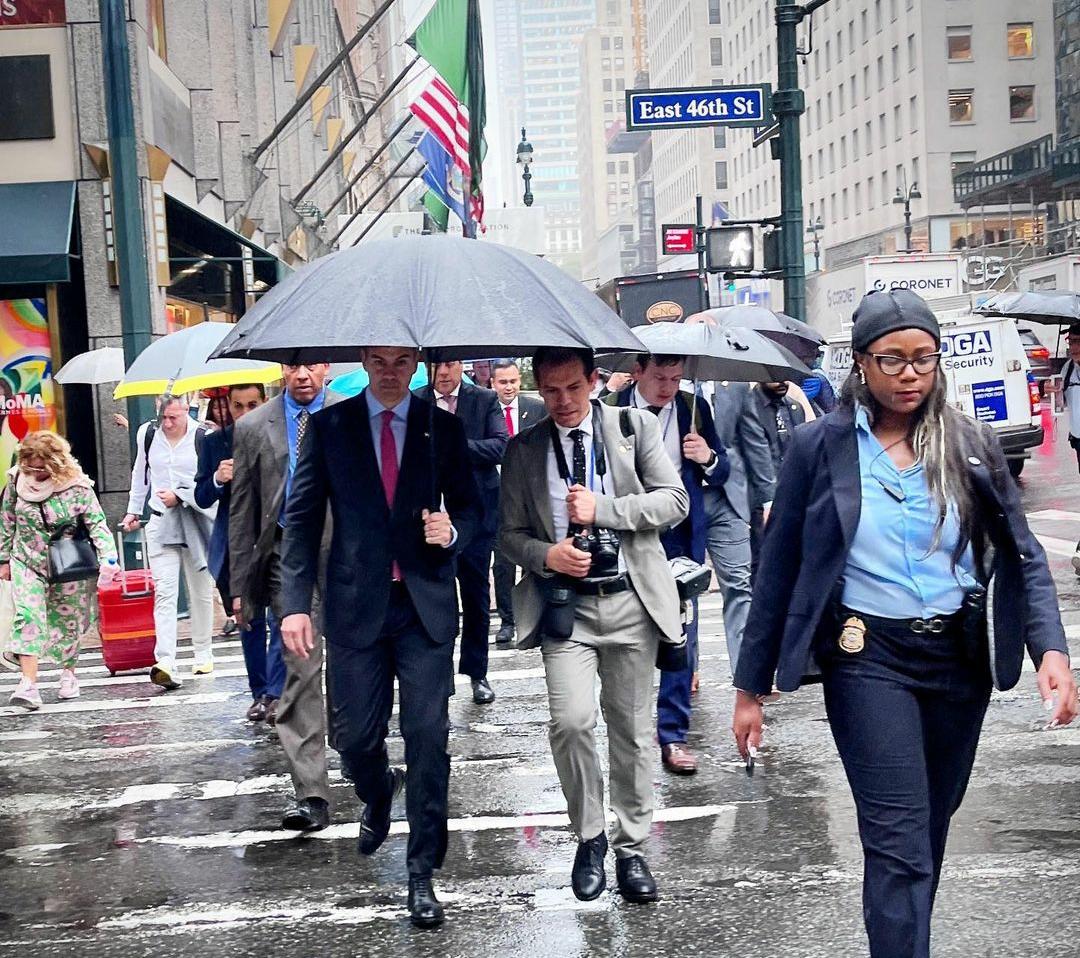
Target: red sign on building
x=31, y=13
x=679, y=238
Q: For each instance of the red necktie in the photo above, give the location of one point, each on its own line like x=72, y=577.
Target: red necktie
x=388, y=455
x=509, y=420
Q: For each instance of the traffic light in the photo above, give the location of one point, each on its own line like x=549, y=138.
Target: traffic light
x=770, y=249
x=729, y=249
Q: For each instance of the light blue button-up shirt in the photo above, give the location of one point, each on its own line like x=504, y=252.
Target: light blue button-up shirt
x=292, y=427
x=398, y=424
x=890, y=570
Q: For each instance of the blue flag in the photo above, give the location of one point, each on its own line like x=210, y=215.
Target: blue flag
x=443, y=177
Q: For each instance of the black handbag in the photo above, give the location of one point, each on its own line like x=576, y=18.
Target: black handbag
x=72, y=556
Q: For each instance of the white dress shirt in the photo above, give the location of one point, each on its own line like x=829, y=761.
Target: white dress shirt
x=171, y=467
x=440, y=399
x=669, y=427
x=514, y=413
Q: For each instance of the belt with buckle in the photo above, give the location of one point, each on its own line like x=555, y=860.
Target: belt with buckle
x=935, y=625
x=612, y=586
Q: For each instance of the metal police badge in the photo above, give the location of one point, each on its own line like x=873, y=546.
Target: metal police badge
x=853, y=635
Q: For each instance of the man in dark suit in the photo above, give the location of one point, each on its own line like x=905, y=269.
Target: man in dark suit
x=260, y=638
x=266, y=445
x=383, y=462
x=778, y=414
x=485, y=429
x=519, y=412
x=693, y=447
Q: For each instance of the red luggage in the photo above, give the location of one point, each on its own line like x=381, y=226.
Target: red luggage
x=126, y=608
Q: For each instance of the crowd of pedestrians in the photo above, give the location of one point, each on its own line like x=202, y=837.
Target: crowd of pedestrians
x=360, y=536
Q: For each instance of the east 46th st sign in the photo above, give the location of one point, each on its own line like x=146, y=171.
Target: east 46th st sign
x=699, y=106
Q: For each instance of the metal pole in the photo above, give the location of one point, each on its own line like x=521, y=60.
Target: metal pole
x=788, y=106
x=319, y=80
x=347, y=138
x=367, y=166
x=132, y=270
x=367, y=199
x=907, y=224
x=703, y=276
x=396, y=197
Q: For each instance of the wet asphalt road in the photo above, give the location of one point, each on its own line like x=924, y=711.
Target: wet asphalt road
x=138, y=823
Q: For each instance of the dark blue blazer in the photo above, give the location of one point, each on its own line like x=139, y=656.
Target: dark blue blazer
x=814, y=519
x=689, y=537
x=338, y=466
x=481, y=415
x=216, y=447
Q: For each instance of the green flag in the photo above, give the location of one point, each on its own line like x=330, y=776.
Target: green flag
x=437, y=210
x=449, y=38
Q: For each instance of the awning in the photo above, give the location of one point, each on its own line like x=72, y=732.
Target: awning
x=36, y=239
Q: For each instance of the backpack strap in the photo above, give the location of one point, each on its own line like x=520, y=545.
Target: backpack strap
x=148, y=441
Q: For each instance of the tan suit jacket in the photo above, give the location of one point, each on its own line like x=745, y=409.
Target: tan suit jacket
x=648, y=497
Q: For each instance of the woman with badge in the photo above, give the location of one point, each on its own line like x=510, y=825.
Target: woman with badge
x=926, y=518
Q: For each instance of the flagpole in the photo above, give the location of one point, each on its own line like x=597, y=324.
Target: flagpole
x=319, y=81
x=375, y=192
x=396, y=197
x=347, y=139
x=367, y=166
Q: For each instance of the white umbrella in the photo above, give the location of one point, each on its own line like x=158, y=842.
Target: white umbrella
x=105, y=365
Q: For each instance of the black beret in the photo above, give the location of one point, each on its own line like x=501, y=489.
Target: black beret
x=885, y=311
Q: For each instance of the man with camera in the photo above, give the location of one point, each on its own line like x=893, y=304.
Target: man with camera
x=585, y=495
x=690, y=441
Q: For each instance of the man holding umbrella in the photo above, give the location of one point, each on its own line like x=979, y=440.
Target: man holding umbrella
x=387, y=464
x=690, y=441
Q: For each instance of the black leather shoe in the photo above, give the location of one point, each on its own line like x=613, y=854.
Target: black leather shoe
x=588, y=877
x=375, y=822
x=505, y=635
x=635, y=880
x=307, y=815
x=424, y=908
x=482, y=693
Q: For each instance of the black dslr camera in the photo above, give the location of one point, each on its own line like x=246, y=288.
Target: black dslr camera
x=603, y=546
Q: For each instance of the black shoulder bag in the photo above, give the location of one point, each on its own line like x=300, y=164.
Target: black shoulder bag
x=72, y=556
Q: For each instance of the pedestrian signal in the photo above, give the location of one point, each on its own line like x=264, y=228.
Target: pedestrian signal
x=729, y=249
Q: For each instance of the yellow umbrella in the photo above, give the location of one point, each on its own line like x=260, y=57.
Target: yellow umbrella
x=178, y=363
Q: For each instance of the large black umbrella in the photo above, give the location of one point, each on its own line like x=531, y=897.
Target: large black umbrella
x=1050, y=308
x=798, y=337
x=454, y=298
x=717, y=353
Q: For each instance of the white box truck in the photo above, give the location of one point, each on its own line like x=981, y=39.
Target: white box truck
x=987, y=373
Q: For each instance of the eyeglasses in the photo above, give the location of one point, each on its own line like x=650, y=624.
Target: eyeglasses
x=895, y=365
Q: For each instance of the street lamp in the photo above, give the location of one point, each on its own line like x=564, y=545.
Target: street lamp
x=815, y=230
x=903, y=197
x=525, y=157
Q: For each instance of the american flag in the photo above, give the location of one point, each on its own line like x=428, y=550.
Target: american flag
x=439, y=109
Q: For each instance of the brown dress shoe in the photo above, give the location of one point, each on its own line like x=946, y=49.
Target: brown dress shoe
x=271, y=710
x=257, y=712
x=678, y=759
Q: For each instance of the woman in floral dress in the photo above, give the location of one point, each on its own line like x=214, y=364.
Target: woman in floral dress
x=47, y=489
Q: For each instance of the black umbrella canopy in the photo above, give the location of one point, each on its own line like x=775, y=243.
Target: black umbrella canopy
x=798, y=337
x=454, y=298
x=1057, y=308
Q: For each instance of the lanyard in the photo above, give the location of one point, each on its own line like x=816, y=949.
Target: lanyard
x=598, y=459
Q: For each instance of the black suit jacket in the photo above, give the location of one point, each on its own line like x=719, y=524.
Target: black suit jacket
x=530, y=411
x=216, y=447
x=485, y=429
x=808, y=536
x=766, y=413
x=338, y=467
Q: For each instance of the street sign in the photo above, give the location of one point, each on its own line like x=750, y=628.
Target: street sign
x=677, y=238
x=765, y=134
x=679, y=108
x=729, y=249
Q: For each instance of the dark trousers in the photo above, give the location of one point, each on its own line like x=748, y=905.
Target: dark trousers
x=504, y=572
x=906, y=713
x=757, y=533
x=473, y=571
x=673, y=699
x=263, y=659
x=362, y=698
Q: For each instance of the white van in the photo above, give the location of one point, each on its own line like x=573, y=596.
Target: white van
x=987, y=372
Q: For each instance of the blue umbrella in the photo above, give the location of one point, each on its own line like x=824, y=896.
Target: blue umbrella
x=351, y=384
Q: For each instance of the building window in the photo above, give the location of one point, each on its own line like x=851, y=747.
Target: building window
x=913, y=109
x=843, y=151
x=962, y=162
x=855, y=144
x=611, y=169
x=866, y=82
x=716, y=52
x=28, y=115
x=618, y=43
x=897, y=135
x=961, y=106
x=896, y=64
x=911, y=52
x=721, y=175
x=620, y=84
x=607, y=85
x=624, y=167
x=958, y=43
x=609, y=107
x=1021, y=40
x=156, y=15
x=870, y=192
x=714, y=11
x=1021, y=103
x=605, y=43
x=719, y=137
x=880, y=73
